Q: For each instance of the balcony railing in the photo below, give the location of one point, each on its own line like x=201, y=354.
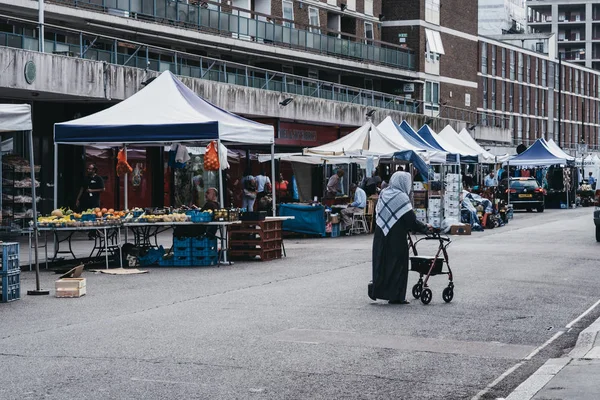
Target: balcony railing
x=239, y=26
x=85, y=45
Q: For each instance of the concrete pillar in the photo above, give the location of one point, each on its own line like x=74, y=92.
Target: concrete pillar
x=588, y=35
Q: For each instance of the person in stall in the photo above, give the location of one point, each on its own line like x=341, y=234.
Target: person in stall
x=212, y=202
x=281, y=188
x=89, y=194
x=211, y=197
x=395, y=218
x=490, y=180
x=357, y=206
x=334, y=184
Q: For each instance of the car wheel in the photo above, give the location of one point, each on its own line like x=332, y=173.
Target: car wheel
x=597, y=233
x=540, y=209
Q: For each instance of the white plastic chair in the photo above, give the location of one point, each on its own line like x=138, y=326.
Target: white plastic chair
x=359, y=223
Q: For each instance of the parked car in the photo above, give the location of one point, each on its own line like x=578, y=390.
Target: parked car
x=525, y=193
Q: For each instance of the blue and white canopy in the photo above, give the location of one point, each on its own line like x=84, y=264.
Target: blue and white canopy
x=539, y=154
x=165, y=111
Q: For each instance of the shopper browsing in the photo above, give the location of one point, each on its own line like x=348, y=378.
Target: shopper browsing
x=592, y=181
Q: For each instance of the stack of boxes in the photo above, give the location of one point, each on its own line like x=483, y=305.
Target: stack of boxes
x=10, y=275
x=452, y=198
x=420, y=201
x=434, y=212
x=191, y=251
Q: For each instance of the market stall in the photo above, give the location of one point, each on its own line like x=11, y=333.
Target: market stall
x=17, y=118
x=164, y=113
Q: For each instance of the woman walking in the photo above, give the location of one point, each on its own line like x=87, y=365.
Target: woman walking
x=395, y=218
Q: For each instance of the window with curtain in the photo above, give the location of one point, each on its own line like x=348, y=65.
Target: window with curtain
x=484, y=69
x=520, y=68
x=503, y=98
x=493, y=60
x=484, y=85
x=288, y=13
x=313, y=20
x=504, y=63
x=512, y=65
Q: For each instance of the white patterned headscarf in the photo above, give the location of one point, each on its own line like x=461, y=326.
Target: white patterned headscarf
x=393, y=201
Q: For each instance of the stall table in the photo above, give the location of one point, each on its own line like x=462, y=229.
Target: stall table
x=307, y=219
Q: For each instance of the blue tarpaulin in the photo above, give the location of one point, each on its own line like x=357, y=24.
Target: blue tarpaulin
x=417, y=162
x=307, y=219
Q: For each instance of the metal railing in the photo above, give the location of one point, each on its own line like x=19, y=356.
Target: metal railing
x=103, y=48
x=239, y=25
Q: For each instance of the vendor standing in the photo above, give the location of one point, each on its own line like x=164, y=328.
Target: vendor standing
x=334, y=184
x=89, y=194
x=357, y=206
x=490, y=180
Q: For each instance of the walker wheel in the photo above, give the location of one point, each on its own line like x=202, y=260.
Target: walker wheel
x=426, y=296
x=448, y=294
x=416, y=290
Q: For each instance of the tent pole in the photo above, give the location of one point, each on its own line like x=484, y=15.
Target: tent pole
x=221, y=197
x=37, y=290
x=55, y=176
x=125, y=183
x=273, y=179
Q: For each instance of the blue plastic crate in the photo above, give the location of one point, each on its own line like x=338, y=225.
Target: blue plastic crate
x=182, y=242
x=10, y=257
x=204, y=261
x=199, y=216
x=182, y=261
x=166, y=262
x=11, y=286
x=335, y=230
x=204, y=242
x=207, y=251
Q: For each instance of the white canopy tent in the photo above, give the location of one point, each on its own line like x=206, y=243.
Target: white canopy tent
x=591, y=164
x=485, y=157
x=316, y=160
x=558, y=151
x=162, y=113
x=17, y=118
x=448, y=139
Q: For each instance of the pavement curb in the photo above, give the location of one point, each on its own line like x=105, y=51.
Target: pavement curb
x=587, y=346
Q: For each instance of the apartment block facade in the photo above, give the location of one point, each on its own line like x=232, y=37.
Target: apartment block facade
x=520, y=89
x=576, y=24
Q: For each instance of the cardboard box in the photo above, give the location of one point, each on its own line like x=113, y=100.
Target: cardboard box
x=435, y=203
x=460, y=230
x=420, y=212
x=433, y=213
x=418, y=186
x=70, y=287
x=454, y=178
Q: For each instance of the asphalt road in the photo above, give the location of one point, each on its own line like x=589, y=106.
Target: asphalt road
x=304, y=328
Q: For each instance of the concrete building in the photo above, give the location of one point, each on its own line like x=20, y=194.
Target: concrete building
x=497, y=17
x=576, y=24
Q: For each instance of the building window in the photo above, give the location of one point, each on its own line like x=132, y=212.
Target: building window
x=520, y=128
x=544, y=73
x=432, y=11
x=368, y=33
x=504, y=63
x=520, y=68
x=527, y=103
x=484, y=69
x=432, y=95
x=537, y=71
x=503, y=97
x=512, y=65
x=582, y=82
x=528, y=76
x=485, y=89
x=576, y=82
x=369, y=7
x=493, y=60
x=535, y=102
x=543, y=110
x=511, y=95
x=313, y=20
x=520, y=99
x=493, y=84
x=288, y=13
x=527, y=129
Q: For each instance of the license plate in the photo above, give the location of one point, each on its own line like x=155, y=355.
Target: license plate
x=524, y=195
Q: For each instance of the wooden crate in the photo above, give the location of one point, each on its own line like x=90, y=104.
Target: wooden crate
x=70, y=287
x=252, y=254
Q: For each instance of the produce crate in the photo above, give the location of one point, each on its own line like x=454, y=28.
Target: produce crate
x=251, y=254
x=10, y=257
x=11, y=286
x=182, y=242
x=203, y=246
x=199, y=216
x=204, y=261
x=253, y=244
x=166, y=262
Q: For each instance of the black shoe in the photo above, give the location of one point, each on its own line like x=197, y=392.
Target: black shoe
x=370, y=291
x=398, y=302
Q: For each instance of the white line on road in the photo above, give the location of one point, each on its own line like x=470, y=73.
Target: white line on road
x=576, y=320
x=532, y=354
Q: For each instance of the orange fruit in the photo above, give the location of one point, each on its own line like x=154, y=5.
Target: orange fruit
x=104, y=211
x=99, y=214
x=111, y=210
x=97, y=210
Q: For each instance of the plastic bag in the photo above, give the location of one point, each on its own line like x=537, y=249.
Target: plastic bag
x=122, y=166
x=211, y=157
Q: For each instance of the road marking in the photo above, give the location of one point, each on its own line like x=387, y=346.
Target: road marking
x=533, y=353
x=576, y=320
